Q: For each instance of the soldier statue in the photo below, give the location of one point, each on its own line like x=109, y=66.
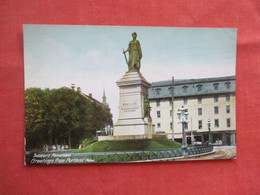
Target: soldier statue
x=135, y=54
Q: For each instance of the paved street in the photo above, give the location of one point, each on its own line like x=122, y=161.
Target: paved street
x=220, y=152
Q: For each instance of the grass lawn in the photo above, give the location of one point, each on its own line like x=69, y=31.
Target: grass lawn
x=129, y=145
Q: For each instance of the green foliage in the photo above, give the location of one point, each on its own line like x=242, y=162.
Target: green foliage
x=100, y=117
x=87, y=141
x=61, y=116
x=130, y=145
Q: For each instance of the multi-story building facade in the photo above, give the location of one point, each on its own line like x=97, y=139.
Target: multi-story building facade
x=206, y=99
x=103, y=104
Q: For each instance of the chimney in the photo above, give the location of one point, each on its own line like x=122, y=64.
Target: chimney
x=90, y=95
x=72, y=86
x=78, y=89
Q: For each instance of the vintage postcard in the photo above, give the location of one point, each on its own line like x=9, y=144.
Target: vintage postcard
x=118, y=94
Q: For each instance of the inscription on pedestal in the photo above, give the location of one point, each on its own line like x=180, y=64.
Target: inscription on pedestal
x=129, y=107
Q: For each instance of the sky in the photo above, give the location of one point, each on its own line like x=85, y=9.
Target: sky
x=92, y=57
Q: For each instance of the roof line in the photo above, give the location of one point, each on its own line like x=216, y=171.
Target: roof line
x=193, y=81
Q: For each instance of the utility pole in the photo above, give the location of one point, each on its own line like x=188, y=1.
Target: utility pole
x=172, y=108
x=192, y=136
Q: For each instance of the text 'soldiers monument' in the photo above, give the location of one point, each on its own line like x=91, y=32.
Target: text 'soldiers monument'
x=134, y=108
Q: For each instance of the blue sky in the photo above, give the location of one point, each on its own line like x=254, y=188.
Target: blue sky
x=91, y=56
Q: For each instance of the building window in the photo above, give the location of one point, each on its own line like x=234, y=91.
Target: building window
x=170, y=112
x=158, y=114
x=200, y=124
x=199, y=88
x=170, y=102
x=228, y=109
x=215, y=86
x=199, y=100
x=227, y=84
x=228, y=122
x=228, y=97
x=216, y=123
x=157, y=103
x=215, y=109
x=216, y=98
x=199, y=111
x=185, y=101
x=185, y=89
x=158, y=90
x=171, y=125
x=159, y=126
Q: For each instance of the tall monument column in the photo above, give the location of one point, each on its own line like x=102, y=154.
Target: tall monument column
x=134, y=111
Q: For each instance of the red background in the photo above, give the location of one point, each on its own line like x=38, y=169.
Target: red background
x=240, y=176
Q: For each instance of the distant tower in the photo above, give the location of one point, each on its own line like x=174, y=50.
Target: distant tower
x=104, y=99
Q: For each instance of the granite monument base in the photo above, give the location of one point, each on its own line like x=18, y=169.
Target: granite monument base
x=131, y=121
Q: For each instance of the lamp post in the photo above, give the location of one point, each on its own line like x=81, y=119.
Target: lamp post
x=209, y=123
x=183, y=118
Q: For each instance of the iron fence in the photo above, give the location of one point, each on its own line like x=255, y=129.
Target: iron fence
x=116, y=157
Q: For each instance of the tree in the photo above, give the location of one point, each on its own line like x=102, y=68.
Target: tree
x=61, y=116
x=69, y=116
x=100, y=118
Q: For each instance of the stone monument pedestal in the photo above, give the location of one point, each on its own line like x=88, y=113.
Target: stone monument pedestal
x=131, y=121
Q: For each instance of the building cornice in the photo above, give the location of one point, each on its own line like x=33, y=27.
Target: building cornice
x=189, y=87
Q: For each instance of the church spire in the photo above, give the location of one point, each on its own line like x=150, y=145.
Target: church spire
x=104, y=98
